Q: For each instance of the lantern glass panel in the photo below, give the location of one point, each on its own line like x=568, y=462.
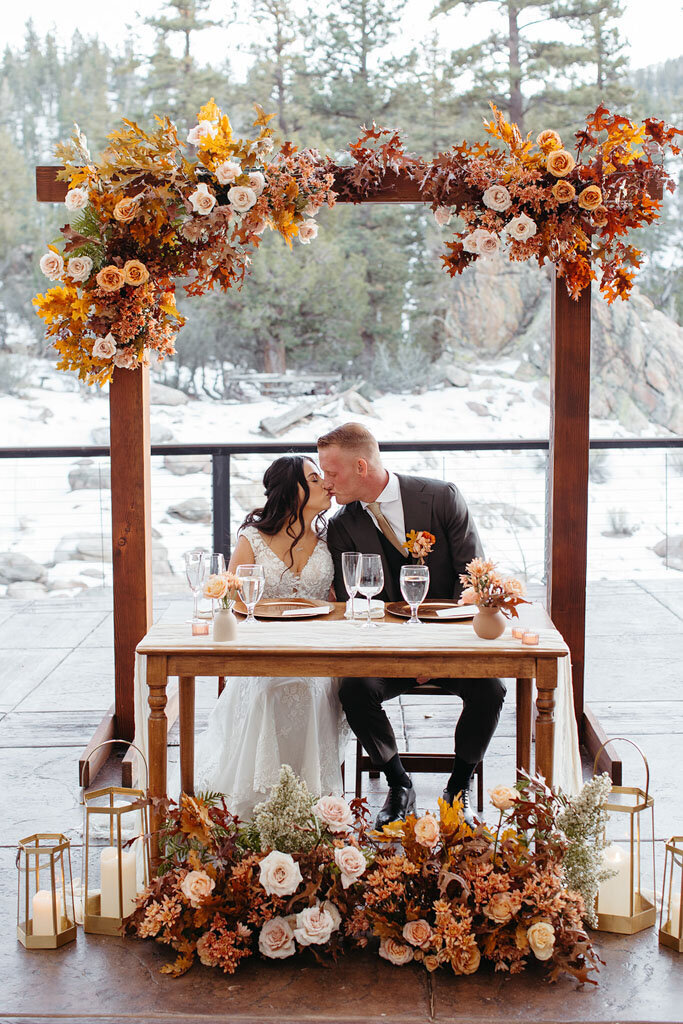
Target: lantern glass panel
x=671, y=917
x=626, y=900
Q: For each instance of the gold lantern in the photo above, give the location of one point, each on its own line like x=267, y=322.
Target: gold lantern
x=623, y=905
x=116, y=854
x=45, y=903
x=671, y=914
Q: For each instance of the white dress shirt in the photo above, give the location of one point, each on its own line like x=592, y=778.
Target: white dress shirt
x=391, y=506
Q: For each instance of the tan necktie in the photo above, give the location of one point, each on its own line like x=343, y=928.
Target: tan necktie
x=385, y=527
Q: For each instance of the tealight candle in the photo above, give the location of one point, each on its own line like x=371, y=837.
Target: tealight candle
x=200, y=627
x=518, y=632
x=530, y=638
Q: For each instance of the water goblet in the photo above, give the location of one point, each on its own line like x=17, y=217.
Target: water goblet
x=351, y=572
x=370, y=583
x=252, y=580
x=195, y=570
x=414, y=587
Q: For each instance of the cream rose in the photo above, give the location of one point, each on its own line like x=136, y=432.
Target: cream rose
x=79, y=268
x=202, y=131
x=442, y=215
x=76, y=199
x=276, y=940
x=590, y=198
x=314, y=926
x=560, y=163
x=563, y=191
x=257, y=182
x=201, y=200
x=333, y=911
x=280, y=875
x=418, y=933
x=125, y=210
x=308, y=231
x=427, y=831
x=503, y=797
x=549, y=141
x=334, y=812
x=471, y=242
x=468, y=596
x=196, y=886
x=311, y=208
x=351, y=863
x=497, y=197
x=104, y=348
x=52, y=265
x=110, y=279
x=521, y=228
x=541, y=938
x=135, y=272
x=466, y=960
x=502, y=906
x=488, y=244
x=395, y=952
x=125, y=359
x=216, y=587
x=227, y=172
x=242, y=198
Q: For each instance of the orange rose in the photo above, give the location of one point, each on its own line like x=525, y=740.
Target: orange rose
x=135, y=272
x=111, y=279
x=563, y=191
x=125, y=210
x=590, y=198
x=600, y=216
x=466, y=959
x=549, y=141
x=560, y=163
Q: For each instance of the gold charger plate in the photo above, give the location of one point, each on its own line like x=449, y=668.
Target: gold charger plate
x=428, y=609
x=271, y=609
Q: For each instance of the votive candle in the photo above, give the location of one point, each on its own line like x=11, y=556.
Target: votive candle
x=530, y=638
x=200, y=627
x=518, y=632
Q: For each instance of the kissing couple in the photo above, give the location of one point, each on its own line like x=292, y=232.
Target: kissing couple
x=260, y=723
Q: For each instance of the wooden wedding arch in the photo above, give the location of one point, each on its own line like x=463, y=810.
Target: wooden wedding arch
x=566, y=498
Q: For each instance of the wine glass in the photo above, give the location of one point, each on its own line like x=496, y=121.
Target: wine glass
x=370, y=583
x=351, y=572
x=214, y=566
x=252, y=580
x=414, y=587
x=195, y=570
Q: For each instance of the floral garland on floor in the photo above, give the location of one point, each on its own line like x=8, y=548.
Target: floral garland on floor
x=145, y=215
x=312, y=875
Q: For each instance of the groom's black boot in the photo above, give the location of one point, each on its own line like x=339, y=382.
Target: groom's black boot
x=458, y=786
x=400, y=799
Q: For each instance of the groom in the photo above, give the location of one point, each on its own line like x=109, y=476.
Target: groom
x=379, y=508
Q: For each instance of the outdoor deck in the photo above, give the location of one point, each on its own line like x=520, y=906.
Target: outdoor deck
x=55, y=683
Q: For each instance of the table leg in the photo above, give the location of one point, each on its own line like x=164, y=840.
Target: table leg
x=546, y=684
x=186, y=712
x=524, y=702
x=157, y=741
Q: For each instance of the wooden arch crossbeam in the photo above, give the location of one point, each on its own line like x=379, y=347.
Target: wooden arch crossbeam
x=566, y=499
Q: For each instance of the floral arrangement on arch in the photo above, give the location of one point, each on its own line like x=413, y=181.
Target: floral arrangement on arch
x=486, y=588
x=145, y=214
x=311, y=876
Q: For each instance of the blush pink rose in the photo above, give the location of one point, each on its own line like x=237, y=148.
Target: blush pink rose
x=201, y=200
x=395, y=952
x=521, y=228
x=242, y=198
x=201, y=132
x=503, y=797
x=497, y=198
x=442, y=215
x=52, y=265
x=125, y=359
x=308, y=231
x=104, y=348
x=257, y=182
x=314, y=926
x=279, y=874
x=76, y=199
x=276, y=940
x=488, y=244
x=427, y=831
x=334, y=812
x=79, y=268
x=196, y=886
x=351, y=863
x=418, y=933
x=227, y=172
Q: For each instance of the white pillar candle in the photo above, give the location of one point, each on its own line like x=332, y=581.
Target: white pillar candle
x=674, y=921
x=109, y=881
x=42, y=913
x=614, y=895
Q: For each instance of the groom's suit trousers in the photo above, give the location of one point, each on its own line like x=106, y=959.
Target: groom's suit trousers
x=362, y=700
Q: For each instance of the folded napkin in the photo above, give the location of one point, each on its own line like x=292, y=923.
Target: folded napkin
x=361, y=609
x=456, y=612
x=306, y=611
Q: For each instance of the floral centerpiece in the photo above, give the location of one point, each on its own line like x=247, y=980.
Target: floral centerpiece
x=222, y=587
x=488, y=589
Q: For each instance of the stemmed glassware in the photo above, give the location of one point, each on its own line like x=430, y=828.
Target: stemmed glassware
x=195, y=570
x=370, y=583
x=351, y=571
x=252, y=580
x=214, y=565
x=414, y=587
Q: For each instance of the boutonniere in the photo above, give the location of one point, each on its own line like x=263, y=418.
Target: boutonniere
x=419, y=544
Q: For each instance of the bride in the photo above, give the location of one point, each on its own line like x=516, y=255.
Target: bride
x=260, y=723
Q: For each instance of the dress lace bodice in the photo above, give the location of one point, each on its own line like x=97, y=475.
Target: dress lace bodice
x=314, y=580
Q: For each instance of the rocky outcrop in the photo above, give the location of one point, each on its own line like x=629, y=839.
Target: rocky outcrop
x=18, y=568
x=88, y=475
x=161, y=394
x=192, y=510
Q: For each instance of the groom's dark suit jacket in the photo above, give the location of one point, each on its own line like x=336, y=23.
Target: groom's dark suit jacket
x=430, y=505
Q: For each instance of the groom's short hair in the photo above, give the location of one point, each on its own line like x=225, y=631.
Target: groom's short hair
x=353, y=437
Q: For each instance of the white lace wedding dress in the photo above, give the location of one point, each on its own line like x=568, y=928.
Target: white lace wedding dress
x=261, y=723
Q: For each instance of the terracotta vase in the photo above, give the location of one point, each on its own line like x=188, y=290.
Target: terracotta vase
x=489, y=623
x=224, y=625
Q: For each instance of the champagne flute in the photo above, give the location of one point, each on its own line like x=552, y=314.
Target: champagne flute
x=370, y=583
x=414, y=587
x=252, y=580
x=351, y=572
x=195, y=570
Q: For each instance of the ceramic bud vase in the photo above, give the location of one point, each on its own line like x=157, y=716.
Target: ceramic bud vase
x=224, y=625
x=488, y=623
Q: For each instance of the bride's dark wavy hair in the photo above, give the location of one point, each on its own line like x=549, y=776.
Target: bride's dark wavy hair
x=281, y=482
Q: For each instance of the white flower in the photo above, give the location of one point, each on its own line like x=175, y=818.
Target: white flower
x=242, y=198
x=277, y=939
x=497, y=197
x=308, y=231
x=257, y=182
x=79, y=268
x=280, y=875
x=541, y=938
x=227, y=172
x=314, y=926
x=351, y=863
x=76, y=199
x=200, y=132
x=334, y=812
x=52, y=265
x=310, y=209
x=520, y=228
x=471, y=242
x=332, y=910
x=488, y=244
x=442, y=215
x=125, y=359
x=104, y=348
x=202, y=200
x=197, y=886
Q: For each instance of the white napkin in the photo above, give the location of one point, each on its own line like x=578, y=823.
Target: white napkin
x=361, y=608
x=455, y=612
x=307, y=611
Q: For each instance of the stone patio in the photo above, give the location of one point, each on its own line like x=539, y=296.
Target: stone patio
x=56, y=668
